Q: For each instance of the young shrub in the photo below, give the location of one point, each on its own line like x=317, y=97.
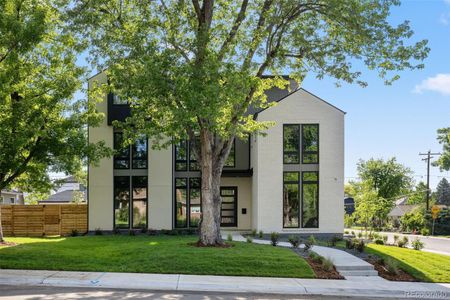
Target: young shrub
x=98, y=231
x=144, y=230
x=401, y=243
x=346, y=232
x=229, y=237
x=371, y=236
x=333, y=241
x=405, y=240
x=379, y=242
x=360, y=234
x=274, y=238
x=315, y=257
x=391, y=266
x=131, y=232
x=425, y=231
x=353, y=233
x=294, y=240
x=249, y=239
x=74, y=232
x=360, y=246
x=417, y=244
x=327, y=264
x=261, y=234
x=254, y=233
x=395, y=238
x=116, y=231
x=385, y=238
x=312, y=240
x=348, y=244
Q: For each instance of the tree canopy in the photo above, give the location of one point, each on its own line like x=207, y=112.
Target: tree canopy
x=443, y=192
x=444, y=159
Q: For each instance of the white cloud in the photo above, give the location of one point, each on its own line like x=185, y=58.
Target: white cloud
x=444, y=19
x=439, y=83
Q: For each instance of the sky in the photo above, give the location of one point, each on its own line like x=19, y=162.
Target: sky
x=398, y=120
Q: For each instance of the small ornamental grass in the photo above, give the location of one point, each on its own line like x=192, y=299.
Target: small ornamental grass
x=417, y=244
x=274, y=238
x=294, y=240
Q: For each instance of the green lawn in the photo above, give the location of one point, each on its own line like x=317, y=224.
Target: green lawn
x=424, y=266
x=151, y=254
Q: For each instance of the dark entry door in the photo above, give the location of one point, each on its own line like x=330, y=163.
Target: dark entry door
x=228, y=212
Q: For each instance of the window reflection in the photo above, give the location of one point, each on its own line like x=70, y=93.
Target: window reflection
x=291, y=200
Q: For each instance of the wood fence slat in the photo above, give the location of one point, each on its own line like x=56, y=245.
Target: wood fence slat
x=40, y=220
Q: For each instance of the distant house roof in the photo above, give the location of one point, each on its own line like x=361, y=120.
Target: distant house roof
x=400, y=210
x=61, y=197
x=401, y=201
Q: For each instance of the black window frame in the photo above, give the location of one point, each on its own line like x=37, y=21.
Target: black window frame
x=297, y=182
x=132, y=201
x=235, y=209
x=128, y=179
x=303, y=182
x=298, y=145
x=303, y=145
x=117, y=157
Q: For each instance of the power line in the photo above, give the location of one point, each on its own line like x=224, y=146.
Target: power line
x=428, y=159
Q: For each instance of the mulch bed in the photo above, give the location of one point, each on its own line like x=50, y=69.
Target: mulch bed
x=7, y=244
x=383, y=272
x=321, y=273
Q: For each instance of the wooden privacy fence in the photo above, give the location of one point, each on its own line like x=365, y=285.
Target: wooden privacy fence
x=43, y=220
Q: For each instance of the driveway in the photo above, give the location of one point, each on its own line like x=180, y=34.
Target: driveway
x=432, y=244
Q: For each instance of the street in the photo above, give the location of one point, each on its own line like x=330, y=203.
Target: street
x=47, y=293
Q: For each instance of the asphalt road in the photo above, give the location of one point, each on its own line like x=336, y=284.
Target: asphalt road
x=47, y=293
x=433, y=244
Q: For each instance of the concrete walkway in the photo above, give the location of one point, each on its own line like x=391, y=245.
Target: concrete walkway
x=354, y=286
x=345, y=263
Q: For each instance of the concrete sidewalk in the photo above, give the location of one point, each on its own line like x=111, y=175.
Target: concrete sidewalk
x=353, y=286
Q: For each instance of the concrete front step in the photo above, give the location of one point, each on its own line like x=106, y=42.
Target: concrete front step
x=365, y=267
x=359, y=273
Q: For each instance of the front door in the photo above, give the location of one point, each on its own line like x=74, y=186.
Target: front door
x=228, y=211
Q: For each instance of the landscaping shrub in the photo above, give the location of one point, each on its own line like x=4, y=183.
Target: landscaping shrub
x=229, y=237
x=425, y=231
x=333, y=241
x=74, y=232
x=327, y=264
x=360, y=234
x=359, y=245
x=312, y=240
x=153, y=232
x=98, y=231
x=395, y=238
x=403, y=242
x=353, y=233
x=315, y=257
x=385, y=238
x=391, y=266
x=294, y=240
x=379, y=242
x=348, y=221
x=253, y=233
x=249, y=239
x=131, y=232
x=261, y=234
x=348, y=244
x=417, y=244
x=144, y=230
x=116, y=231
x=346, y=232
x=274, y=238
x=309, y=243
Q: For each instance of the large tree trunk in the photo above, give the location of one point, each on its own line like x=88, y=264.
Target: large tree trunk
x=211, y=165
x=1, y=228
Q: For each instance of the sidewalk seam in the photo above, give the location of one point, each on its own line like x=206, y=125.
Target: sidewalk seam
x=47, y=277
x=178, y=281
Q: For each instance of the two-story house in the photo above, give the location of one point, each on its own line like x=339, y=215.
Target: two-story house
x=290, y=181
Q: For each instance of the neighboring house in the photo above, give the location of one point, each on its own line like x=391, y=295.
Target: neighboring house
x=349, y=205
x=11, y=197
x=69, y=190
x=289, y=181
x=400, y=209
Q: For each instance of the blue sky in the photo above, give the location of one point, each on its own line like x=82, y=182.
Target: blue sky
x=399, y=120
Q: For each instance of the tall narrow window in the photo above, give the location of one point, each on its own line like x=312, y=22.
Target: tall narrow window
x=181, y=202
x=291, y=143
x=194, y=202
x=139, y=153
x=291, y=200
x=310, y=143
x=139, y=201
x=310, y=199
x=193, y=163
x=118, y=100
x=181, y=156
x=122, y=154
x=122, y=201
x=231, y=159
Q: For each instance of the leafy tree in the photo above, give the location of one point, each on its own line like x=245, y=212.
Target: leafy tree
x=443, y=192
x=33, y=197
x=414, y=220
x=41, y=129
x=418, y=195
x=389, y=178
x=191, y=68
x=444, y=138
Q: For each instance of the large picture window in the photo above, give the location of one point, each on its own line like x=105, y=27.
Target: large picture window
x=310, y=143
x=291, y=143
x=291, y=200
x=122, y=201
x=140, y=199
x=122, y=153
x=310, y=199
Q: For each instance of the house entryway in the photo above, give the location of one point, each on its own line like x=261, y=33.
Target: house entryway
x=228, y=210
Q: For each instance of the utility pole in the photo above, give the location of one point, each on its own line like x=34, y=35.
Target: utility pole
x=428, y=159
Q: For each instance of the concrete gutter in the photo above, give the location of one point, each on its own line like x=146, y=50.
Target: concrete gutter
x=353, y=286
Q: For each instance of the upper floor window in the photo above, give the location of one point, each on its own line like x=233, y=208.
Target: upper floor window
x=231, y=159
x=291, y=143
x=138, y=152
x=310, y=143
x=181, y=155
x=118, y=100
